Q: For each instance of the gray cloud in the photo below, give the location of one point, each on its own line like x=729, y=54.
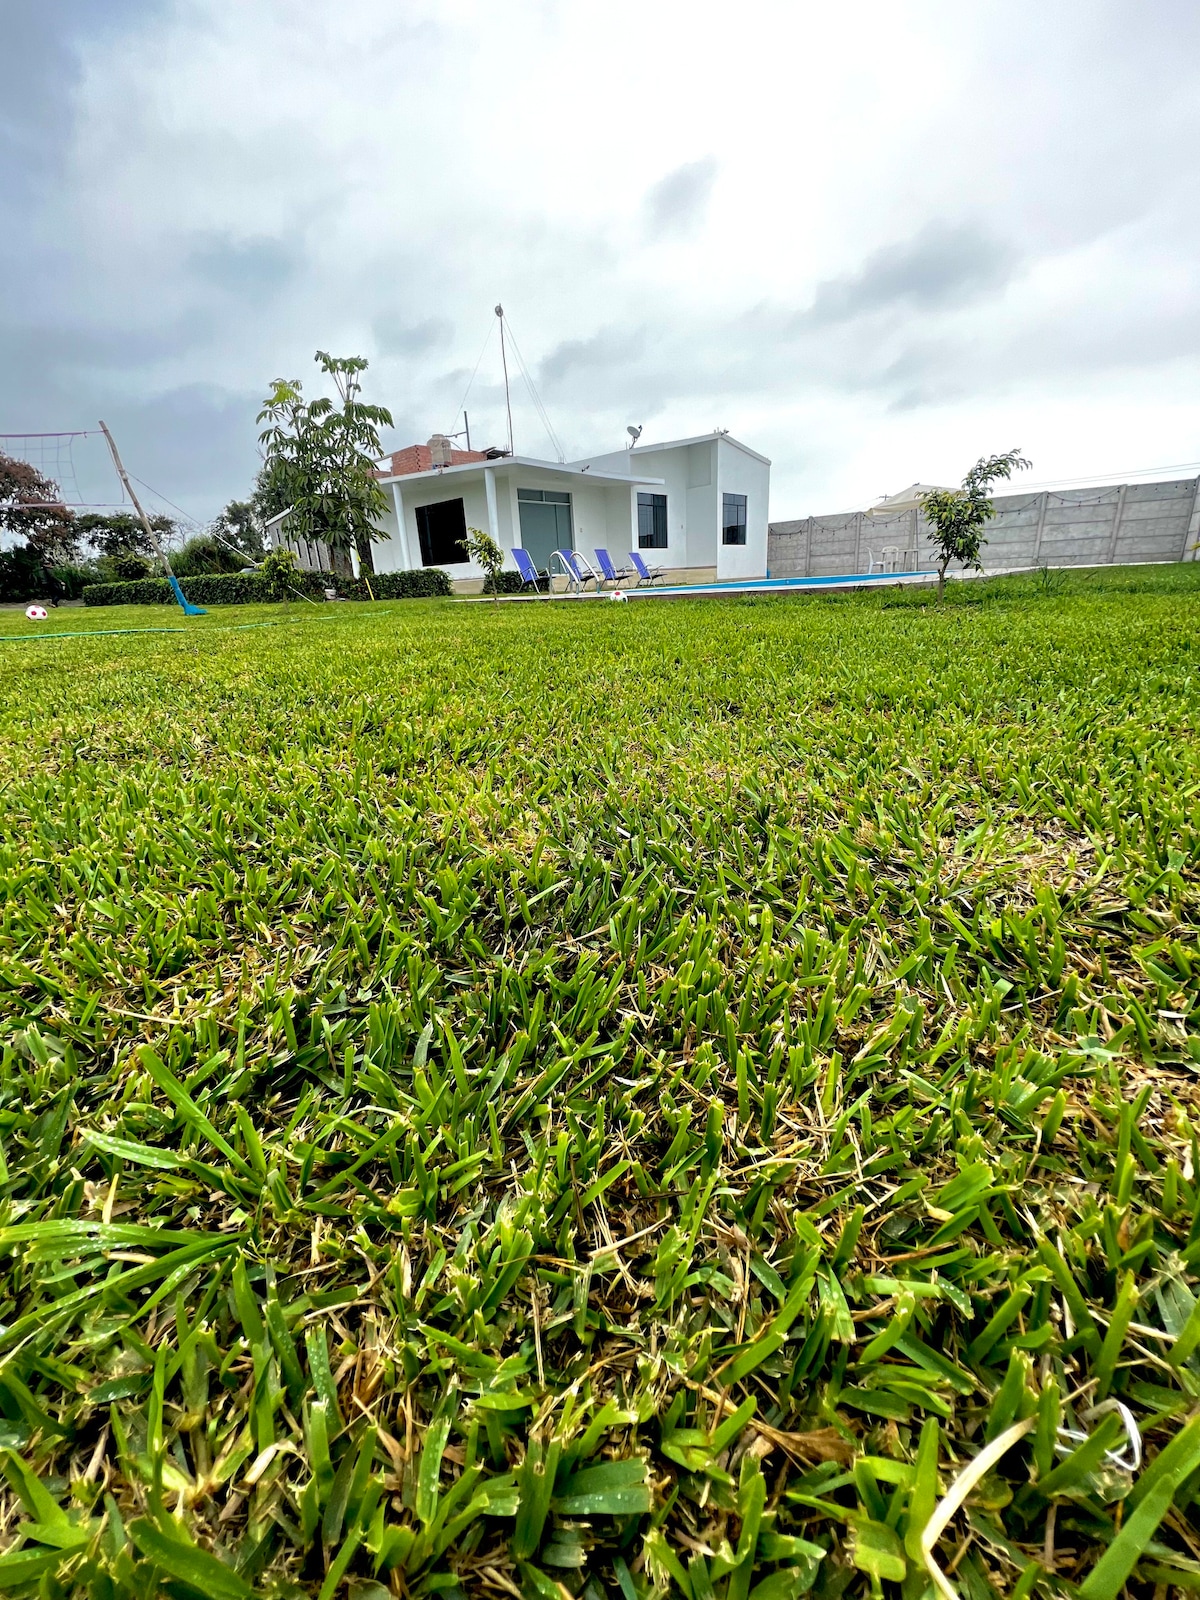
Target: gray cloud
x=395, y=337
x=610, y=347
x=937, y=268
x=249, y=269
x=191, y=208
x=674, y=207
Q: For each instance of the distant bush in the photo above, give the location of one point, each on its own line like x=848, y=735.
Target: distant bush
x=505, y=583
x=73, y=579
x=128, y=566
x=243, y=589
x=205, y=555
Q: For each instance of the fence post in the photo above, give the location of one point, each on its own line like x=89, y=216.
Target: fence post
x=1116, y=527
x=1191, y=535
x=808, y=533
x=1041, y=523
x=858, y=533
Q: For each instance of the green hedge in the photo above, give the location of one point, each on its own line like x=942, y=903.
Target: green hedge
x=243, y=589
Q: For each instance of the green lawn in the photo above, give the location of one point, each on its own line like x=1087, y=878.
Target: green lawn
x=602, y=1100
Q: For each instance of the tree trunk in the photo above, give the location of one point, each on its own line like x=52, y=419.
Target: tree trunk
x=941, y=582
x=366, y=560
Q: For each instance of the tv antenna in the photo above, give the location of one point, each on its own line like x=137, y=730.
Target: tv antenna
x=634, y=435
x=504, y=364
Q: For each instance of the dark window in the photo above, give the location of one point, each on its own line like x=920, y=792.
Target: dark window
x=442, y=530
x=652, y=521
x=733, y=519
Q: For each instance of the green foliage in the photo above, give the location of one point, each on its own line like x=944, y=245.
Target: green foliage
x=485, y=552
x=647, y=1138
x=204, y=555
x=241, y=524
x=503, y=583
x=117, y=533
x=24, y=575
x=279, y=575
x=31, y=510
x=957, y=517
x=219, y=589
x=320, y=459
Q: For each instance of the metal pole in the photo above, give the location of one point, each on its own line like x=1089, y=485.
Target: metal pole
x=191, y=610
x=504, y=364
x=1116, y=527
x=467, y=426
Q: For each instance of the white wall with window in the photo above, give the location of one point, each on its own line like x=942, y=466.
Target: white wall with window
x=743, y=489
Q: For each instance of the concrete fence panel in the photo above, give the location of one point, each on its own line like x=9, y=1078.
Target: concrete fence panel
x=1111, y=523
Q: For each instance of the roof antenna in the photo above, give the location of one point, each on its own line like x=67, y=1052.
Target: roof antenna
x=504, y=364
x=634, y=435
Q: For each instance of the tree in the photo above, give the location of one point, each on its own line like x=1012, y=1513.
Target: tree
x=241, y=524
x=481, y=547
x=320, y=459
x=31, y=508
x=957, y=516
x=120, y=533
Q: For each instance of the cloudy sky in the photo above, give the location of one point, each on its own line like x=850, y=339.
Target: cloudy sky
x=873, y=240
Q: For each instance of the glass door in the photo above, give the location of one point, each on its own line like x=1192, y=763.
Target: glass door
x=545, y=523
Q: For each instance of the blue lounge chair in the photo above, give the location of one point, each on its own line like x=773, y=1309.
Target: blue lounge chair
x=531, y=578
x=578, y=569
x=645, y=574
x=609, y=573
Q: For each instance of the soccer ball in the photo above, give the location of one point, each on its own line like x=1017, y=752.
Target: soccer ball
x=618, y=594
x=36, y=613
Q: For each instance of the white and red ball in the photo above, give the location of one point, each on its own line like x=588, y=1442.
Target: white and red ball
x=36, y=613
x=618, y=594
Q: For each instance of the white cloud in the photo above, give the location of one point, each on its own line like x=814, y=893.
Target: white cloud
x=875, y=241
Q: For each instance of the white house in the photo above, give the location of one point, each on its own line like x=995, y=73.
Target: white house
x=696, y=507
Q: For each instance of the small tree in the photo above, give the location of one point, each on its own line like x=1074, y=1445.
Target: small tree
x=320, y=460
x=278, y=571
x=957, y=516
x=481, y=547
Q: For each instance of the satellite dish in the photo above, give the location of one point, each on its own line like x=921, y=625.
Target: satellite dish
x=634, y=435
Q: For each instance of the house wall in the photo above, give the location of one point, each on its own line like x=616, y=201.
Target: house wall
x=398, y=555
x=1109, y=524
x=740, y=473
x=703, y=522
x=695, y=477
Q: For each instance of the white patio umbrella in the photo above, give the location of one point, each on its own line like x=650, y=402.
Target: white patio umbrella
x=905, y=500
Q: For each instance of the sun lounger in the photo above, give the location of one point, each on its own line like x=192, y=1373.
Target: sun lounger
x=645, y=574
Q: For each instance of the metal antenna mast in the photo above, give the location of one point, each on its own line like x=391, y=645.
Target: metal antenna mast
x=504, y=364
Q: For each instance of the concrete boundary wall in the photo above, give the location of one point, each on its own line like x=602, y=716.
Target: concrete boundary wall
x=1118, y=524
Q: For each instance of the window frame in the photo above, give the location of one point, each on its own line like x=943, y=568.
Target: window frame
x=736, y=503
x=658, y=537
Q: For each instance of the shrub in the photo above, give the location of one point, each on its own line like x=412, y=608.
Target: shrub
x=73, y=579
x=129, y=566
x=503, y=583
x=23, y=576
x=203, y=555
x=243, y=589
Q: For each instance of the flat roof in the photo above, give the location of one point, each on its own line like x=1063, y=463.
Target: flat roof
x=527, y=463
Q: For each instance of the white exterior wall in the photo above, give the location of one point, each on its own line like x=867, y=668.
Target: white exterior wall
x=693, y=474
x=741, y=473
x=400, y=555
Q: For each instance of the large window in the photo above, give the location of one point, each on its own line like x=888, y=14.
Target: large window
x=652, y=521
x=733, y=519
x=442, y=530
